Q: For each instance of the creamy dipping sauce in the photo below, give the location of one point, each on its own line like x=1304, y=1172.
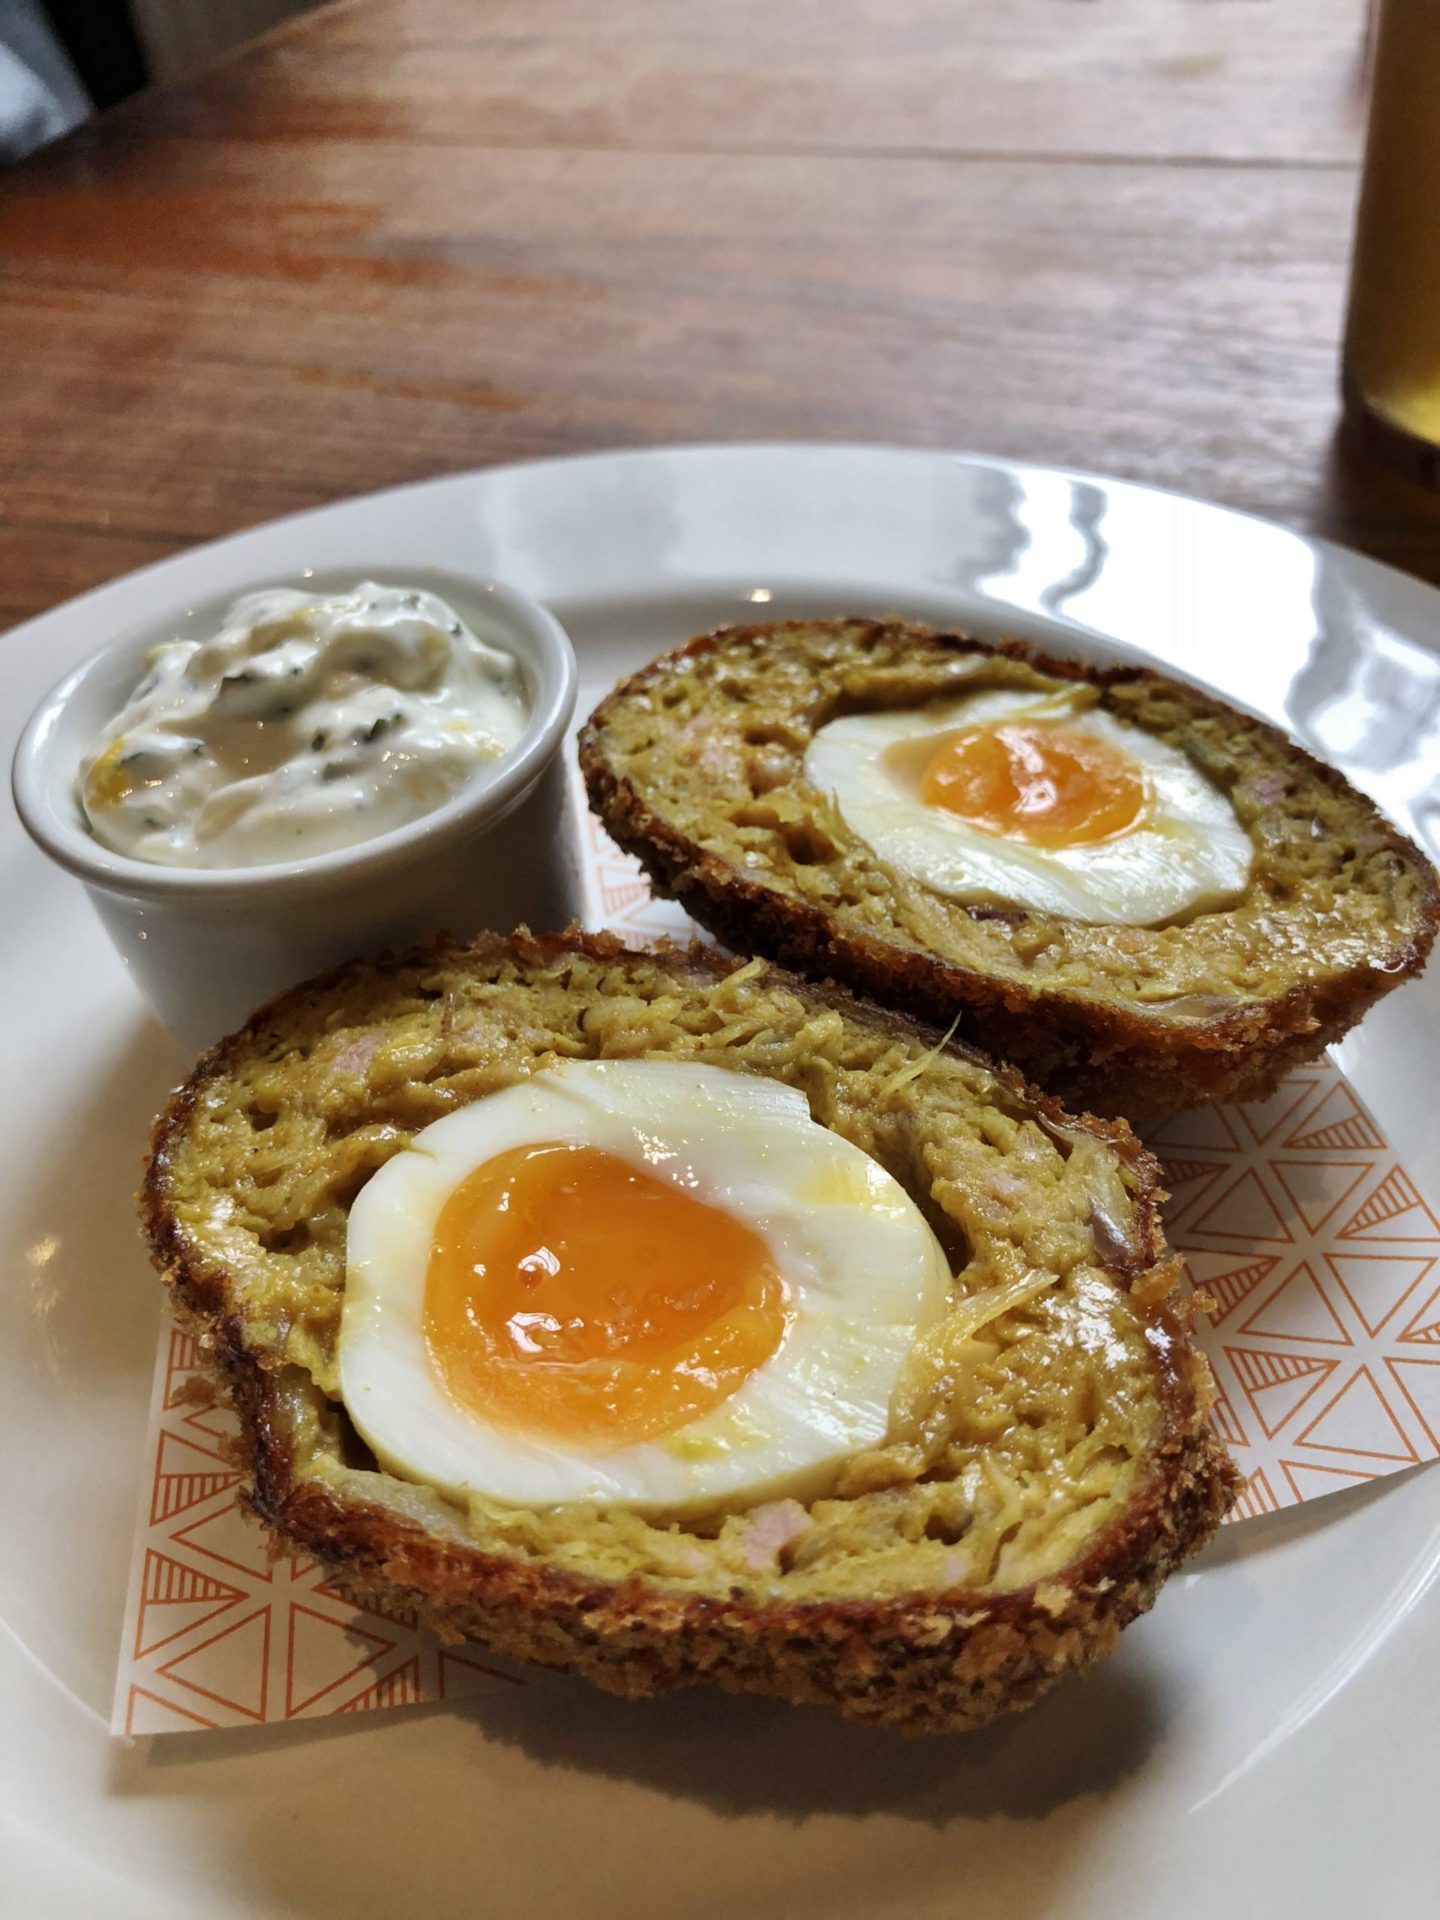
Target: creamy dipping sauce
x=306, y=724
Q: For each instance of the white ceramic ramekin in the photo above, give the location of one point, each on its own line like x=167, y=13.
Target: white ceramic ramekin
x=206, y=946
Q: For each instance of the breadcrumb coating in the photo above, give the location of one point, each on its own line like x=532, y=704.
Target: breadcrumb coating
x=1048, y=1462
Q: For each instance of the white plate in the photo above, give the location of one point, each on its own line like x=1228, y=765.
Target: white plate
x=1264, y=1742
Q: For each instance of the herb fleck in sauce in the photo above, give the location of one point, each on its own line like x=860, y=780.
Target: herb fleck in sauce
x=305, y=724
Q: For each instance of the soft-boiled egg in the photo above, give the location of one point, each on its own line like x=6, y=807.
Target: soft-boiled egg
x=645, y=1282
x=1035, y=800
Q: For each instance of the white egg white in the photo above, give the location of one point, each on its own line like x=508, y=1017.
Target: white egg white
x=1189, y=854
x=864, y=1271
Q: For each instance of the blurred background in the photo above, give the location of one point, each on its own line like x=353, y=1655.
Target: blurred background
x=177, y=34
x=61, y=59
x=297, y=252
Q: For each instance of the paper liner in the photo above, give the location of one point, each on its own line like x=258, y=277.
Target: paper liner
x=1296, y=1217
x=218, y=1633
x=1298, y=1220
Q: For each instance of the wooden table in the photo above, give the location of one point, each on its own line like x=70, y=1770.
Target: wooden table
x=403, y=237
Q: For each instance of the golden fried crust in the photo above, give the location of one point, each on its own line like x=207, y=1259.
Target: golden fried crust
x=1108, y=1054
x=931, y=1662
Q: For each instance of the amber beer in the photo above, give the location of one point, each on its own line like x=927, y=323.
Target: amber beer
x=1392, y=335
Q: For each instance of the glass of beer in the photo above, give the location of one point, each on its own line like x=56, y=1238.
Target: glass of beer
x=1392, y=334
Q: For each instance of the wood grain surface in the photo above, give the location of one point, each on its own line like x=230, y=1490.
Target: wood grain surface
x=404, y=237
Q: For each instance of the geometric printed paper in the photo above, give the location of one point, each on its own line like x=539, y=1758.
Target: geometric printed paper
x=1322, y=1259
x=616, y=892
x=218, y=1633
x=1295, y=1217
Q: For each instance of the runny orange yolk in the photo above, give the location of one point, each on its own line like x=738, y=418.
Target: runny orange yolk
x=580, y=1297
x=1038, y=781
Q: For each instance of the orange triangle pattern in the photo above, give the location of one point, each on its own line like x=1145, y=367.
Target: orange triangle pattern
x=1359, y=1421
x=169, y=1581
x=398, y=1689
x=1223, y=1419
x=1339, y=1123
x=232, y=1539
x=1377, y=1284
x=1228, y=1278
x=175, y=1599
x=1260, y=1370
x=237, y=1675
x=1299, y=1310
x=1180, y=1172
x=184, y=1476
x=1274, y=1383
x=212, y=1423
x=1309, y=1481
x=205, y=1647
x=326, y=1651
x=182, y=1355
x=616, y=894
x=1264, y=1118
x=1198, y=1129
x=1315, y=1188
x=1257, y=1496
x=1419, y=1382
x=1392, y=1211
x=139, y=1720
x=1243, y=1211
x=1424, y=1329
